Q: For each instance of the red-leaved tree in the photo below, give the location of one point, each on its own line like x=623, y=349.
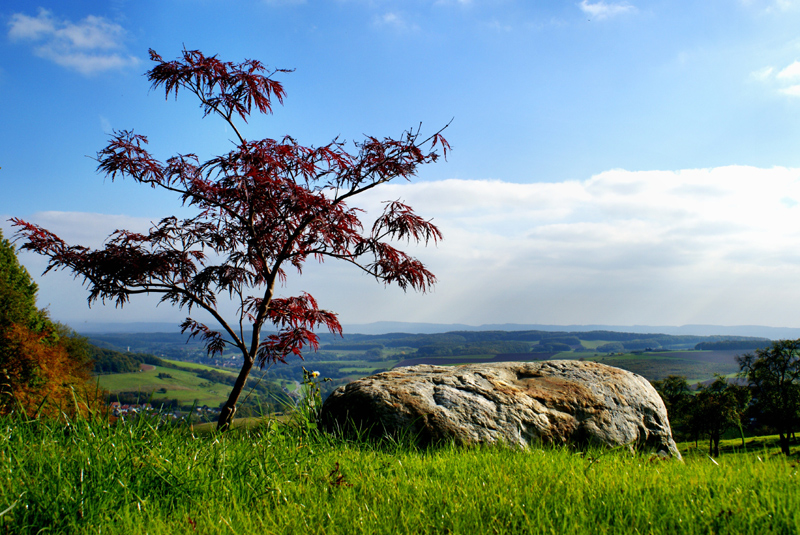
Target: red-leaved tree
x=264, y=207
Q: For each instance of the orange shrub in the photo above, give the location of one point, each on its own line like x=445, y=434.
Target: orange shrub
x=38, y=376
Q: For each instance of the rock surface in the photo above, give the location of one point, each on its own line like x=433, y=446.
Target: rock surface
x=517, y=403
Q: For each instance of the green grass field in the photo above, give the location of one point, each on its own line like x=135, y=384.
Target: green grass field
x=143, y=478
x=184, y=386
x=198, y=366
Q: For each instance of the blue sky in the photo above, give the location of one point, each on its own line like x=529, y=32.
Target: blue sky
x=613, y=162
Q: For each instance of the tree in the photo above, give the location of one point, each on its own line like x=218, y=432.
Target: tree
x=40, y=361
x=773, y=374
x=677, y=397
x=716, y=408
x=263, y=207
x=17, y=291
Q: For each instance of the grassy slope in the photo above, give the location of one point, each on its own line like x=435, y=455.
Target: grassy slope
x=183, y=386
x=140, y=479
x=198, y=366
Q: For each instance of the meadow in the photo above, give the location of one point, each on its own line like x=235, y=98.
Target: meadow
x=148, y=477
x=184, y=386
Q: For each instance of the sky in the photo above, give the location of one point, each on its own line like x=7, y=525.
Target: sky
x=618, y=163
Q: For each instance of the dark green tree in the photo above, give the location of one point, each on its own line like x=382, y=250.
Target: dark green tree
x=17, y=292
x=716, y=408
x=773, y=374
x=677, y=397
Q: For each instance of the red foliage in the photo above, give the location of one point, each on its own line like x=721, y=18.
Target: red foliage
x=262, y=206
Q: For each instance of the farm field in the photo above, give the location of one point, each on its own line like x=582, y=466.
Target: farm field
x=184, y=386
x=359, y=356
x=199, y=366
x=694, y=365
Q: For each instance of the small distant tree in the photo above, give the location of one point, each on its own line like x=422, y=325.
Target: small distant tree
x=773, y=374
x=263, y=207
x=716, y=408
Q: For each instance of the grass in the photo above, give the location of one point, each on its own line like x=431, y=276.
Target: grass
x=184, y=386
x=198, y=366
x=89, y=477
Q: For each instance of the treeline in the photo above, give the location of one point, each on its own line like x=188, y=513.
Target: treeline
x=475, y=348
x=744, y=345
x=630, y=341
x=110, y=361
x=765, y=400
x=632, y=345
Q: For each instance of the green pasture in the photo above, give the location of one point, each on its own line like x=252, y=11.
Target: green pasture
x=184, y=386
x=592, y=344
x=362, y=370
x=202, y=367
x=656, y=367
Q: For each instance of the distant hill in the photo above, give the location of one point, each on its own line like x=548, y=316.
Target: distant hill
x=386, y=327
x=757, y=331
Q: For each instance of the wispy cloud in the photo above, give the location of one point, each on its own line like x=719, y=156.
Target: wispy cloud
x=395, y=20
x=602, y=10
x=762, y=74
x=496, y=25
x=91, y=45
x=783, y=81
x=771, y=6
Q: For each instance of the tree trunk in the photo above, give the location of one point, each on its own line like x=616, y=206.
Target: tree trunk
x=229, y=409
x=784, y=440
x=744, y=444
x=713, y=444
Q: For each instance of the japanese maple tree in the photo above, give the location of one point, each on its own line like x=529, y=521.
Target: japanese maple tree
x=263, y=208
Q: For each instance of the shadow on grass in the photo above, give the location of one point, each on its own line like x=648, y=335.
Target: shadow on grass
x=768, y=444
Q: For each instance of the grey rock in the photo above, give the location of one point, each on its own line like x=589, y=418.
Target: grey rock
x=516, y=403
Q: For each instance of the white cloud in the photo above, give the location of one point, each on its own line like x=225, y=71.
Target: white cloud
x=602, y=10
x=91, y=45
x=716, y=246
x=790, y=72
x=784, y=82
x=562, y=252
x=105, y=125
x=792, y=90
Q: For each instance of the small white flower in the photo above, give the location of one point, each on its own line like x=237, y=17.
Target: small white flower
x=314, y=374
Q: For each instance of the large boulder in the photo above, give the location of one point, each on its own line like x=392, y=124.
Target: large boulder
x=516, y=403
